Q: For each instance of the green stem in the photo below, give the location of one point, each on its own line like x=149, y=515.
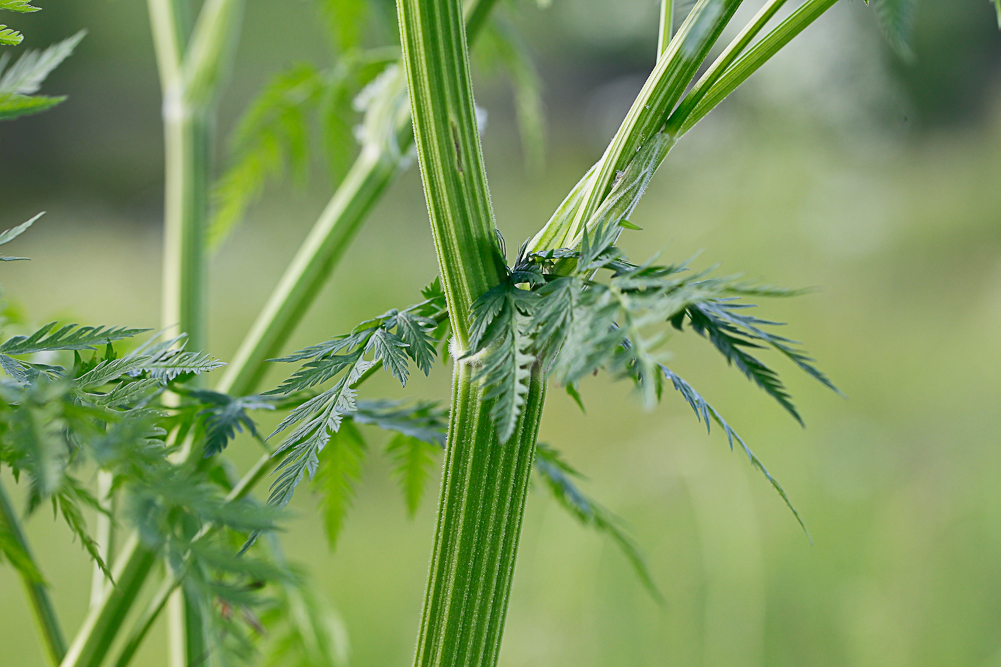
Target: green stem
x=721, y=64
x=755, y=57
x=483, y=494
x=451, y=159
x=104, y=535
x=34, y=586
x=371, y=174
x=661, y=92
x=376, y=167
x=484, y=484
x=99, y=629
x=666, y=26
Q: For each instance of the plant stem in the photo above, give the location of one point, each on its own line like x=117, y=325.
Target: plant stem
x=376, y=167
x=451, y=160
x=666, y=26
x=661, y=92
x=368, y=178
x=722, y=63
x=45, y=613
x=483, y=492
x=98, y=631
x=104, y=535
x=755, y=57
x=484, y=484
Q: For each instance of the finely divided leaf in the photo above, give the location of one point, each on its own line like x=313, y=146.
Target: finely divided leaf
x=13, y=106
x=225, y=416
x=416, y=333
x=425, y=421
x=707, y=413
x=9, y=36
x=67, y=337
x=12, y=233
x=271, y=133
x=25, y=76
x=22, y=6
x=340, y=469
x=412, y=462
x=558, y=477
x=503, y=348
x=389, y=349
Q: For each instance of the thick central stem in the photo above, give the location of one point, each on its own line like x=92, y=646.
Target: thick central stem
x=483, y=493
x=485, y=483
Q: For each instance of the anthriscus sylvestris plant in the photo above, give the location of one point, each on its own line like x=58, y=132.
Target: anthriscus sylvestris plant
x=137, y=408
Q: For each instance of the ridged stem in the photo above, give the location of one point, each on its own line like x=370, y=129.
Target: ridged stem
x=484, y=483
x=483, y=494
x=38, y=594
x=756, y=56
x=451, y=158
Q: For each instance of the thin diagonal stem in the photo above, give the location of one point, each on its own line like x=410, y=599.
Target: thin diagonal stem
x=373, y=172
x=41, y=604
x=666, y=26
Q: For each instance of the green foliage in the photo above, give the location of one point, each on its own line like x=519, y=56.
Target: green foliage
x=301, y=629
x=346, y=21
x=12, y=233
x=558, y=476
x=896, y=20
x=339, y=471
x=551, y=310
x=105, y=411
x=20, y=81
x=347, y=360
x=275, y=131
x=225, y=416
x=22, y=6
x=9, y=36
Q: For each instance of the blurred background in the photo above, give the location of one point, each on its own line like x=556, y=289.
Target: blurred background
x=838, y=166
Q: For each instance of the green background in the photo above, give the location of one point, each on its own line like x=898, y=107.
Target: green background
x=838, y=166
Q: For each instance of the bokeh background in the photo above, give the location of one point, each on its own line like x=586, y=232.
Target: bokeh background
x=837, y=166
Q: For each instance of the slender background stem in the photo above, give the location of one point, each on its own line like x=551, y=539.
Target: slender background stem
x=38, y=594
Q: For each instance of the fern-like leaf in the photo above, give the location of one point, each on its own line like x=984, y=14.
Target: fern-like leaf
x=22, y=6
x=14, y=106
x=10, y=234
x=502, y=343
x=558, y=478
x=706, y=413
x=26, y=75
x=67, y=337
x=340, y=469
x=9, y=36
x=412, y=461
x=225, y=416
x=273, y=131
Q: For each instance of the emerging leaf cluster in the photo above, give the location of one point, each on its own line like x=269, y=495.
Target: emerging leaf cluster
x=552, y=310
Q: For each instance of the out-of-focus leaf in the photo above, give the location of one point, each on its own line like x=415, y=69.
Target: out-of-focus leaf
x=339, y=470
